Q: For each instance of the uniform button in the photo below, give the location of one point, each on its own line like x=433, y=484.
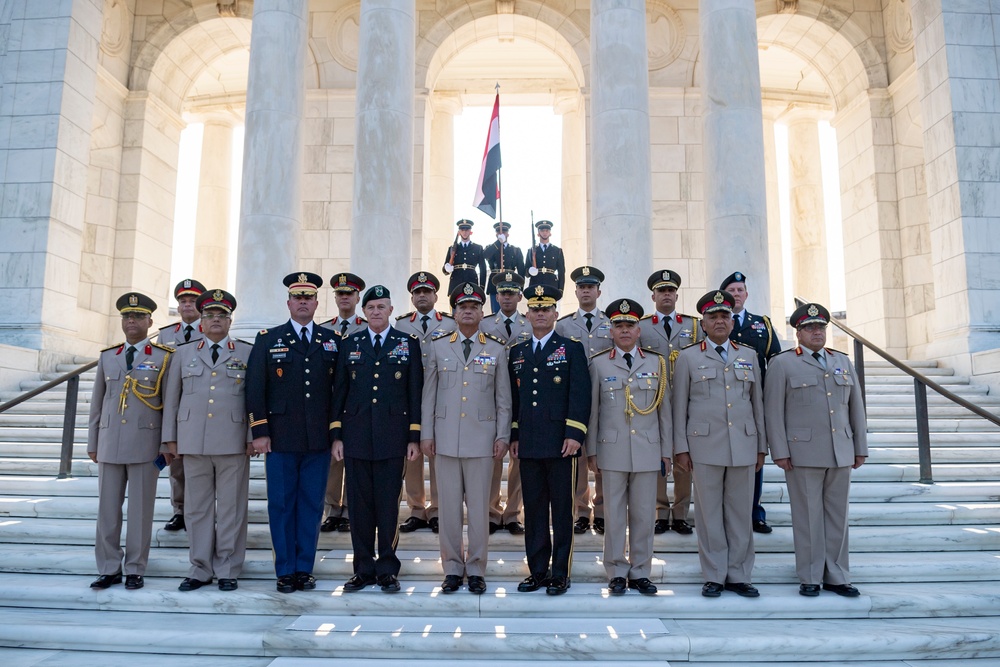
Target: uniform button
x=633, y=431
x=535, y=380
x=833, y=431
x=466, y=368
x=535, y=392
x=209, y=415
x=374, y=388
x=729, y=405
x=730, y=423
x=212, y=400
x=212, y=387
x=214, y=373
x=533, y=404
x=464, y=398
x=727, y=386
x=535, y=369
x=590, y=335
x=307, y=383
x=465, y=384
x=376, y=376
x=307, y=370
x=827, y=375
x=374, y=400
x=463, y=414
x=829, y=394
x=307, y=395
x=831, y=412
x=109, y=377
x=307, y=359
x=630, y=379
x=123, y=421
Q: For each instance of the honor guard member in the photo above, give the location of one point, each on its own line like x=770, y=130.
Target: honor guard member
x=189, y=328
x=289, y=397
x=719, y=430
x=464, y=260
x=512, y=327
x=376, y=428
x=754, y=331
x=501, y=257
x=630, y=434
x=817, y=431
x=205, y=423
x=550, y=388
x=666, y=332
x=123, y=439
x=465, y=429
x=545, y=261
x=591, y=327
x=347, y=294
x=425, y=323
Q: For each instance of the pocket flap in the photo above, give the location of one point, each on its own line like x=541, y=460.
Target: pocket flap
x=799, y=434
x=698, y=428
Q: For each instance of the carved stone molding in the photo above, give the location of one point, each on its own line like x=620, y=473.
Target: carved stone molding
x=505, y=6
x=115, y=30
x=343, y=38
x=899, y=26
x=788, y=6
x=228, y=8
x=664, y=34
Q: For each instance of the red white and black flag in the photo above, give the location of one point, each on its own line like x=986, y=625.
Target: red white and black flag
x=488, y=189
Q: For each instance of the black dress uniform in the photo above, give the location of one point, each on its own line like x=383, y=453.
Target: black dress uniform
x=467, y=265
x=513, y=260
x=545, y=262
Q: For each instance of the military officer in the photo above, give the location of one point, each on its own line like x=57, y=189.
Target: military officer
x=123, y=439
x=591, y=327
x=550, y=388
x=501, y=257
x=289, y=397
x=205, y=423
x=512, y=327
x=718, y=419
x=347, y=293
x=376, y=426
x=666, y=331
x=817, y=431
x=755, y=331
x=630, y=434
x=189, y=328
x=545, y=261
x=465, y=428
x=425, y=323
x=464, y=260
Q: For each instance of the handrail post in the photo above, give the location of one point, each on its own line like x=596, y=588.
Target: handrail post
x=923, y=432
x=859, y=367
x=69, y=428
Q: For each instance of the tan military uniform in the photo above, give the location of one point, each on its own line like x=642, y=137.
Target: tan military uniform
x=204, y=412
x=124, y=433
x=815, y=417
x=629, y=449
x=172, y=335
x=719, y=420
x=466, y=407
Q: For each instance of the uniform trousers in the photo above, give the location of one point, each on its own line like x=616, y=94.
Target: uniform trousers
x=373, y=493
x=759, y=513
x=585, y=498
x=336, y=499
x=629, y=500
x=295, y=485
x=819, y=500
x=549, y=486
x=177, y=485
x=112, y=480
x=215, y=513
x=511, y=511
x=722, y=512
x=464, y=480
x=416, y=496
x=682, y=496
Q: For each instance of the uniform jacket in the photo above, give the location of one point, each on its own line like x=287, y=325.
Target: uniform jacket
x=438, y=325
x=289, y=393
x=123, y=428
x=204, y=404
x=814, y=415
x=354, y=325
x=684, y=330
x=520, y=329
x=513, y=260
x=172, y=335
x=376, y=403
x=596, y=340
x=620, y=442
x=757, y=332
x=466, y=404
x=551, y=259
x=718, y=407
x=551, y=398
x=470, y=267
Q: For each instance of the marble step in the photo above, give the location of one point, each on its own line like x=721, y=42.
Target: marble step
x=900, y=388
x=889, y=370
x=902, y=379
x=63, y=369
x=936, y=426
x=872, y=361
x=38, y=657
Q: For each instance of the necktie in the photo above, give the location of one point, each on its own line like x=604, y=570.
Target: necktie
x=722, y=353
x=467, y=344
x=628, y=358
x=343, y=328
x=215, y=352
x=129, y=356
x=736, y=320
x=538, y=352
x=378, y=343
x=666, y=326
x=820, y=358
x=590, y=321
x=305, y=335
x=187, y=333
x=423, y=322
x=507, y=322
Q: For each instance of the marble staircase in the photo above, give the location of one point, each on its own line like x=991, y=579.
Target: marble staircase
x=926, y=558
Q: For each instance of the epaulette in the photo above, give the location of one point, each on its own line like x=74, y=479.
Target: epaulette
x=441, y=335
x=790, y=349
x=566, y=317
x=441, y=316
x=693, y=317
x=117, y=346
x=329, y=321
x=166, y=348
x=400, y=317
x=175, y=325
x=831, y=351
x=646, y=317
x=188, y=342
x=697, y=342
x=650, y=350
x=483, y=336
x=597, y=354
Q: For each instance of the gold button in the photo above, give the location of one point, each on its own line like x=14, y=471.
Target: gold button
x=729, y=405
x=633, y=431
x=630, y=379
x=374, y=400
x=209, y=415
x=214, y=373
x=465, y=384
x=590, y=335
x=464, y=398
x=727, y=386
x=730, y=423
x=211, y=400
x=833, y=431
x=827, y=375
x=829, y=394
x=212, y=387
x=376, y=376
x=123, y=421
x=831, y=412
x=536, y=370
x=466, y=368
x=108, y=377
x=463, y=414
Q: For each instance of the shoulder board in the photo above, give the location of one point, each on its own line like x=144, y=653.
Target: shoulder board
x=493, y=338
x=240, y=340
x=651, y=351
x=117, y=346
x=735, y=346
x=693, y=344
x=790, y=349
x=832, y=351
x=263, y=332
x=442, y=316
x=442, y=335
x=176, y=326
x=693, y=317
x=166, y=348
x=646, y=317
x=360, y=320
x=329, y=321
x=567, y=317
x=597, y=354
x=183, y=343
x=404, y=316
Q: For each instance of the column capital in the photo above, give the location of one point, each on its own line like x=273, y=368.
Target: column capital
x=804, y=112
x=221, y=117
x=567, y=101
x=446, y=102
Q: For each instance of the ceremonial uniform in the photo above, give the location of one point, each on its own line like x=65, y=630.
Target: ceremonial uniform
x=344, y=328
x=513, y=260
x=548, y=259
x=468, y=264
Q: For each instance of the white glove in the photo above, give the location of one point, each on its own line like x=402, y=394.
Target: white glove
x=532, y=271
x=502, y=238
x=448, y=268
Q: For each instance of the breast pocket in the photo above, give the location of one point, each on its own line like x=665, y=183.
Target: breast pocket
x=801, y=389
x=611, y=391
x=190, y=376
x=487, y=374
x=237, y=380
x=845, y=382
x=701, y=382
x=447, y=374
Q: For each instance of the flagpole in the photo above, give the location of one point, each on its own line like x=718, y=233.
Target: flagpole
x=500, y=200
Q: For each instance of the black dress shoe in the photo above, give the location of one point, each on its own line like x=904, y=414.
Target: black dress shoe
x=304, y=581
x=134, y=582
x=286, y=584
x=661, y=526
x=388, y=583
x=682, y=527
x=228, y=585
x=712, y=589
x=345, y=526
x=599, y=526
x=451, y=583
x=477, y=585
x=617, y=586
x=331, y=524
x=743, y=590
x=531, y=583
x=433, y=523
x=581, y=525
x=190, y=584
x=846, y=590
x=176, y=523
x=106, y=580
x=760, y=526
x=809, y=590
x=644, y=586
x=515, y=528
x=557, y=586
x=494, y=527
x=412, y=524
x=358, y=582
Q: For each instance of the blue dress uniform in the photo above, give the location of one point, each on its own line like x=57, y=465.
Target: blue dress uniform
x=545, y=262
x=289, y=396
x=467, y=264
x=513, y=260
x=376, y=414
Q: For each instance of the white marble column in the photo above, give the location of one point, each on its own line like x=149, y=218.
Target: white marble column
x=810, y=265
x=573, y=235
x=270, y=206
x=211, y=235
x=735, y=200
x=621, y=195
x=439, y=216
x=382, y=210
x=774, y=241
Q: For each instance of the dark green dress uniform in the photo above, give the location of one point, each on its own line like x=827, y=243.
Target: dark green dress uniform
x=467, y=264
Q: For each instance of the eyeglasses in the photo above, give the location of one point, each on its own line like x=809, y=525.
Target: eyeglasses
x=134, y=317
x=215, y=316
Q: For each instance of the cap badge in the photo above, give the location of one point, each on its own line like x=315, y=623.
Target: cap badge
x=739, y=277
x=539, y=291
x=422, y=277
x=666, y=275
x=303, y=277
x=586, y=271
x=217, y=295
x=625, y=307
x=378, y=290
x=187, y=284
x=133, y=300
x=343, y=279
x=509, y=277
x=469, y=289
x=813, y=311
x=718, y=298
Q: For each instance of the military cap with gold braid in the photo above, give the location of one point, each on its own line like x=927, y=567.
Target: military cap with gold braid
x=809, y=313
x=302, y=283
x=508, y=281
x=664, y=278
x=623, y=310
x=715, y=300
x=422, y=279
x=587, y=275
x=190, y=287
x=134, y=302
x=347, y=282
x=465, y=224
x=217, y=298
x=544, y=295
x=501, y=226
x=467, y=292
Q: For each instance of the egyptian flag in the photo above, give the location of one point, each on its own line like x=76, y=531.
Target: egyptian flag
x=488, y=189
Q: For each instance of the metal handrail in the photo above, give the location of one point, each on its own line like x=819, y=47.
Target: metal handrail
x=920, y=384
x=69, y=415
